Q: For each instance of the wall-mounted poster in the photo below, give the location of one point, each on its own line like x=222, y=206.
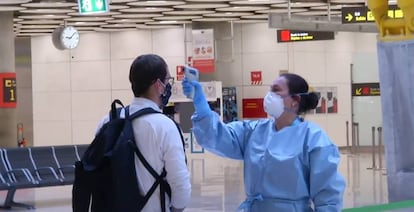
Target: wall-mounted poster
x=321, y=92
x=332, y=100
x=229, y=104
x=203, y=50
x=328, y=100
x=253, y=108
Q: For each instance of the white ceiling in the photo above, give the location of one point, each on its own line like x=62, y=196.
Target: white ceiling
x=37, y=17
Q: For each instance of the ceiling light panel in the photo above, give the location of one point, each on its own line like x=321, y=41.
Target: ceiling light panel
x=86, y=23
x=115, y=29
x=41, y=22
x=88, y=18
x=129, y=21
x=146, y=9
x=121, y=1
x=44, y=17
x=348, y=1
x=282, y=10
x=168, y=22
x=129, y=25
x=177, y=17
x=261, y=16
x=258, y=2
x=31, y=34
x=208, y=1
x=299, y=4
x=47, y=11
x=333, y=7
x=37, y=26
x=4, y=2
x=145, y=15
x=118, y=7
x=161, y=26
x=49, y=4
x=318, y=13
x=156, y=3
x=242, y=8
x=11, y=8
x=188, y=12
x=34, y=30
x=227, y=14
x=215, y=19
x=201, y=6
x=250, y=21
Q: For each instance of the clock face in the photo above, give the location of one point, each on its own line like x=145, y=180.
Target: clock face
x=70, y=37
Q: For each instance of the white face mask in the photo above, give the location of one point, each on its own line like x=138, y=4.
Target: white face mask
x=273, y=104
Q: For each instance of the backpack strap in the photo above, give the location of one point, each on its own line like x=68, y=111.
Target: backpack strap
x=115, y=112
x=159, y=179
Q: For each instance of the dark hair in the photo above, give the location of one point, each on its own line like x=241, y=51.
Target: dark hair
x=298, y=86
x=144, y=71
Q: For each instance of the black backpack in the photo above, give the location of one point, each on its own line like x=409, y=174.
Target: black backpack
x=105, y=178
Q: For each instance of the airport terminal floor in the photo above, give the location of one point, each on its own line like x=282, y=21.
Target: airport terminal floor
x=222, y=190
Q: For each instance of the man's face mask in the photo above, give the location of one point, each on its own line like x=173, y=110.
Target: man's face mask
x=165, y=97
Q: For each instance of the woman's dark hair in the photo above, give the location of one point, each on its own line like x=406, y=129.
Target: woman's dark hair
x=298, y=86
x=144, y=71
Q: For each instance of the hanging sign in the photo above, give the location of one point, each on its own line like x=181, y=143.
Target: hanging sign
x=366, y=89
x=203, y=50
x=8, y=90
x=287, y=35
x=87, y=7
x=352, y=15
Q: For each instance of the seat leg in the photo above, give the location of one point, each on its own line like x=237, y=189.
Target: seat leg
x=9, y=202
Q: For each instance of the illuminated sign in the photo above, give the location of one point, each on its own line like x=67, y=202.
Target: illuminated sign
x=366, y=89
x=93, y=6
x=8, y=90
x=351, y=15
x=297, y=35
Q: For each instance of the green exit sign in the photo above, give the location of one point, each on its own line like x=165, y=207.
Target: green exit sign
x=93, y=6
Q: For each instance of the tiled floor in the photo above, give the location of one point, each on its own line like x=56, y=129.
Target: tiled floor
x=218, y=186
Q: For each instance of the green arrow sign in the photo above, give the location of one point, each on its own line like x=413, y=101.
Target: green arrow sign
x=93, y=6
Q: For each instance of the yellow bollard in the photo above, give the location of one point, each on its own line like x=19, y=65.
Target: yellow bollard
x=393, y=29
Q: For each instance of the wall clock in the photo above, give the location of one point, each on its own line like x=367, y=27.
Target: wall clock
x=65, y=37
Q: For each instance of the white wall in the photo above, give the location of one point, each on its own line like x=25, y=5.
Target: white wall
x=72, y=90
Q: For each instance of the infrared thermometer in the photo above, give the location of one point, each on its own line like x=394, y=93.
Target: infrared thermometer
x=191, y=74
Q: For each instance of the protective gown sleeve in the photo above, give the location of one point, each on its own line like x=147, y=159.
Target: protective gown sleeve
x=227, y=140
x=326, y=184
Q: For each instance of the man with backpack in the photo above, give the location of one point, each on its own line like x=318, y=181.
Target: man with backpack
x=160, y=165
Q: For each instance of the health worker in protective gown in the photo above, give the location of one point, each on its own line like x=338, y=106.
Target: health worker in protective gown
x=289, y=164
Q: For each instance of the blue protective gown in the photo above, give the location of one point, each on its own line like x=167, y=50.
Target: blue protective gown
x=284, y=170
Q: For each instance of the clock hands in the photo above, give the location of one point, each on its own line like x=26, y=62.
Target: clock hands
x=70, y=37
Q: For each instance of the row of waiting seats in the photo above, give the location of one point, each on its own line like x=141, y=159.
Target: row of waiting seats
x=33, y=167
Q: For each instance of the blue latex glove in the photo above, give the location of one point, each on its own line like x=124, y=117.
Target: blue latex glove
x=200, y=102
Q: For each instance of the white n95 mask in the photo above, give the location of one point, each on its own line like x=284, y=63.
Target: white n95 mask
x=273, y=104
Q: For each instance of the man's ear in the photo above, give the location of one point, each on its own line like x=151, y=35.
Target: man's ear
x=296, y=99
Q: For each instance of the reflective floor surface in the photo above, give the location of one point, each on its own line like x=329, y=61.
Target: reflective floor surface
x=218, y=186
